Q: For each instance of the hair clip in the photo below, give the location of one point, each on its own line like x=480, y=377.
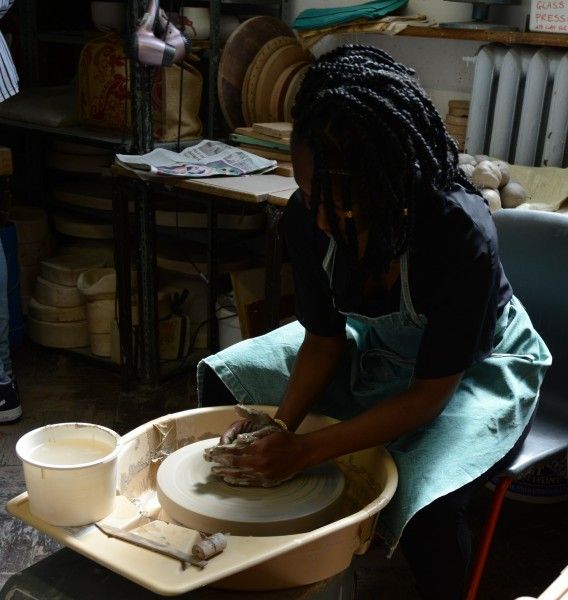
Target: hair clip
x=405, y=212
x=348, y=214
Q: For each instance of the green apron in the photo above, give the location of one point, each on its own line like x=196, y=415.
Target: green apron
x=481, y=423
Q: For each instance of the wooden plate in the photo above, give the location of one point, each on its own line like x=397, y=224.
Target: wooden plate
x=240, y=50
x=244, y=96
x=276, y=108
x=291, y=93
x=193, y=496
x=272, y=69
x=256, y=67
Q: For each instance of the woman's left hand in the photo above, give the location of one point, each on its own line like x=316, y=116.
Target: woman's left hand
x=271, y=458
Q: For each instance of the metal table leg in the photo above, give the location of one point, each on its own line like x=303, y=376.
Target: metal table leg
x=122, y=240
x=212, y=274
x=147, y=298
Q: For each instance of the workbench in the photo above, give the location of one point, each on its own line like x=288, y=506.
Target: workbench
x=250, y=191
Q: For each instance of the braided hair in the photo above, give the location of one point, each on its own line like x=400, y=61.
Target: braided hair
x=359, y=107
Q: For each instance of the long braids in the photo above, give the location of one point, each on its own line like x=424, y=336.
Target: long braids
x=356, y=101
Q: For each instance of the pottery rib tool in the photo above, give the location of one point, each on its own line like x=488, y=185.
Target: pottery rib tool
x=143, y=542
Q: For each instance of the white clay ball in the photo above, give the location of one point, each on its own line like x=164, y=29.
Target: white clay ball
x=505, y=170
x=513, y=194
x=480, y=158
x=486, y=175
x=466, y=159
x=467, y=170
x=493, y=199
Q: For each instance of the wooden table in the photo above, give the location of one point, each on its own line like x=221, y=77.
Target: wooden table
x=213, y=193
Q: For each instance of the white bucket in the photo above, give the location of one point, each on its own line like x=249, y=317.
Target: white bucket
x=70, y=471
x=228, y=320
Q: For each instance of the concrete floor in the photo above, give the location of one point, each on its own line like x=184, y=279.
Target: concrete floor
x=530, y=549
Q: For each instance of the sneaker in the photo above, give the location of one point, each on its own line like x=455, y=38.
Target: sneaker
x=10, y=408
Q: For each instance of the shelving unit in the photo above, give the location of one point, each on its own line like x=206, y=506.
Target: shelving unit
x=503, y=37
x=37, y=37
x=140, y=138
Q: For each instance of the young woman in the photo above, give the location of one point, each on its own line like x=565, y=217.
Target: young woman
x=408, y=330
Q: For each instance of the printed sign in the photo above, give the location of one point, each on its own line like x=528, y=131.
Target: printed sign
x=549, y=16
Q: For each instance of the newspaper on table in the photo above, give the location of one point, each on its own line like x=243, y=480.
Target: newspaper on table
x=205, y=159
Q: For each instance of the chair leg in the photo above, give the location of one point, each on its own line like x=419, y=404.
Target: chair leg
x=487, y=536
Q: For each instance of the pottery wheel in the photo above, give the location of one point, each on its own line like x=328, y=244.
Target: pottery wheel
x=196, y=498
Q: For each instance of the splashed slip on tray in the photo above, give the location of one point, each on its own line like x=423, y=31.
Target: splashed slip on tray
x=248, y=562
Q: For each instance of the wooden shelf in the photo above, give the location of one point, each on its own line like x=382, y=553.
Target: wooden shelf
x=75, y=133
x=74, y=38
x=486, y=35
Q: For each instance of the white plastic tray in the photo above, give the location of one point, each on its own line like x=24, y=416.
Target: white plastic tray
x=248, y=563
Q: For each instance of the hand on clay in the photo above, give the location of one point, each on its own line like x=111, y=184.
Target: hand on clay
x=264, y=458
x=253, y=420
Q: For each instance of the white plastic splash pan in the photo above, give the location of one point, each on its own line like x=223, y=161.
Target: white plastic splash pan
x=70, y=471
x=248, y=563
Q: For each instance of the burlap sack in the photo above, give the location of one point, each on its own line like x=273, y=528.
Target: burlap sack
x=104, y=92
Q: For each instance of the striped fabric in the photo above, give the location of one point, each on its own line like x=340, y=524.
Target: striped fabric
x=8, y=75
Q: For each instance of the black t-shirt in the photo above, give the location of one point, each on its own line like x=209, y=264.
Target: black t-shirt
x=456, y=280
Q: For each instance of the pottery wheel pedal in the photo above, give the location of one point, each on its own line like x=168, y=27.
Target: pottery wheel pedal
x=196, y=498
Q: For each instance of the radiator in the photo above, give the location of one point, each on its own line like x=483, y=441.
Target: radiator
x=519, y=105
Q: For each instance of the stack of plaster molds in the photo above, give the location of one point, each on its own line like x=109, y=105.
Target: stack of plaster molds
x=57, y=314
x=34, y=244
